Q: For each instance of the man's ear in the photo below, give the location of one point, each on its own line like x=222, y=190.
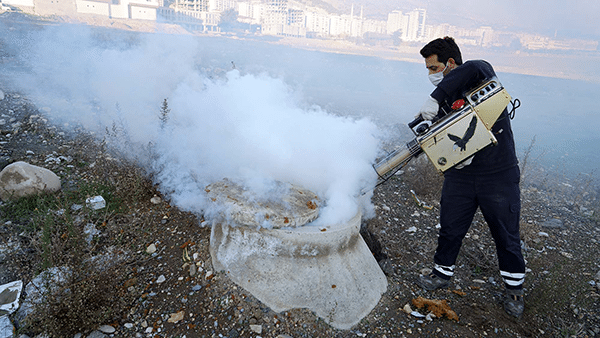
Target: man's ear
x=451, y=62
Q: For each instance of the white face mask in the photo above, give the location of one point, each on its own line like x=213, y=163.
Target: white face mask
x=436, y=78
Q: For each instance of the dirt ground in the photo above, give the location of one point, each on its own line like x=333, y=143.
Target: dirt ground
x=559, y=227
x=561, y=296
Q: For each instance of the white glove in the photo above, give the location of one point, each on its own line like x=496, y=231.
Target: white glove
x=429, y=109
x=464, y=163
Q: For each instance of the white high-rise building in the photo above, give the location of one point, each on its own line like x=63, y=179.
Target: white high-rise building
x=317, y=21
x=410, y=25
x=275, y=17
x=396, y=22
x=221, y=5
x=250, y=12
x=416, y=25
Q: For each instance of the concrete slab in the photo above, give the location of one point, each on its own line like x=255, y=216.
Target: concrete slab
x=328, y=269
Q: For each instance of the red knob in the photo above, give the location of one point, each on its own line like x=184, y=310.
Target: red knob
x=458, y=104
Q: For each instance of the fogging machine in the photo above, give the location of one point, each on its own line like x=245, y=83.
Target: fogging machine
x=455, y=137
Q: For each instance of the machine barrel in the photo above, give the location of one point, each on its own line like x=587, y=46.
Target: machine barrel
x=397, y=158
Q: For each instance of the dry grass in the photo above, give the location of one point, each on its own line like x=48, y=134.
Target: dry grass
x=422, y=177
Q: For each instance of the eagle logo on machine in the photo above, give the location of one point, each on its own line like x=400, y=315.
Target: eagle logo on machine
x=462, y=142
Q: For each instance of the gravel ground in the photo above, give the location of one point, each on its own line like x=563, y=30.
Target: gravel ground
x=162, y=298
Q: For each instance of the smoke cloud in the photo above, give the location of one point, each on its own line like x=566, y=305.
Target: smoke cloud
x=252, y=128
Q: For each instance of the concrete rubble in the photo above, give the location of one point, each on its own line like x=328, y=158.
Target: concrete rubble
x=9, y=303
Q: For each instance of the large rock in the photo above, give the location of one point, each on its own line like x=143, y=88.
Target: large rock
x=35, y=291
x=21, y=179
x=327, y=269
x=6, y=327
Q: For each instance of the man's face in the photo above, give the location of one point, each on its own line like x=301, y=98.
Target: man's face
x=433, y=65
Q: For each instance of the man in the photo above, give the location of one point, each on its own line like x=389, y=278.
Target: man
x=488, y=180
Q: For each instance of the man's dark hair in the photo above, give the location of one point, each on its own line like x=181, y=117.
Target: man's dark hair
x=444, y=49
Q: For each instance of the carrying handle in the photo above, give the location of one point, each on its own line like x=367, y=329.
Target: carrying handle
x=415, y=122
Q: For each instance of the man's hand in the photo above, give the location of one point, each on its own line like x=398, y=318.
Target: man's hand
x=465, y=163
x=429, y=109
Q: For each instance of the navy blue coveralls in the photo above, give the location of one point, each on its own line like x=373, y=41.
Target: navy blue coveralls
x=490, y=182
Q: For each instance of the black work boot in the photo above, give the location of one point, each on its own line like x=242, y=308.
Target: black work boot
x=432, y=282
x=513, y=302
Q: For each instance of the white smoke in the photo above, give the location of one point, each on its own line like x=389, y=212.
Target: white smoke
x=251, y=128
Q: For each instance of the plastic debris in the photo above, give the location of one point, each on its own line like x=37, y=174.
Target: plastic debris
x=419, y=202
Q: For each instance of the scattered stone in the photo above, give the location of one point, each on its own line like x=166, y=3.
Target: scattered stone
x=128, y=325
x=553, y=223
x=161, y=279
x=96, y=202
x=97, y=334
x=256, y=328
x=90, y=231
x=21, y=179
x=176, y=317
x=567, y=254
x=151, y=248
x=543, y=234
x=51, y=159
x=12, y=245
x=407, y=309
x=417, y=314
x=155, y=200
x=107, y=329
x=412, y=229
